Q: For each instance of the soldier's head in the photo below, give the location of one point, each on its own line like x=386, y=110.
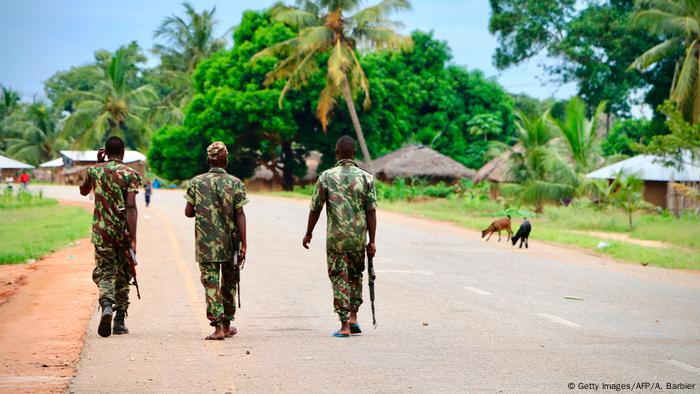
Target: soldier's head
x=114, y=148
x=217, y=154
x=345, y=148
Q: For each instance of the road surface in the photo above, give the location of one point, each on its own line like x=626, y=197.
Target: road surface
x=455, y=314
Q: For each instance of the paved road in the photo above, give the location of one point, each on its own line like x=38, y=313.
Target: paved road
x=455, y=314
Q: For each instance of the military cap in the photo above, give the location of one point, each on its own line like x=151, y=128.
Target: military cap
x=217, y=150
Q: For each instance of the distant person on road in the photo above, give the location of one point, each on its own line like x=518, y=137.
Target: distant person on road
x=216, y=199
x=9, y=180
x=113, y=230
x=24, y=181
x=350, y=198
x=147, y=189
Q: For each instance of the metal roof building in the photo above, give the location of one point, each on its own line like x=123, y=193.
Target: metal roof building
x=650, y=168
x=12, y=164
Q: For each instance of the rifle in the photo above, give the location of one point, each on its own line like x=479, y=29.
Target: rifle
x=237, y=265
x=372, y=277
x=131, y=259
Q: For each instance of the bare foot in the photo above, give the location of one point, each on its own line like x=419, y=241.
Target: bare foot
x=230, y=331
x=217, y=335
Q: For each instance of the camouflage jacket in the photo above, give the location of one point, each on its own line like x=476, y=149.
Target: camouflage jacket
x=348, y=193
x=215, y=197
x=111, y=181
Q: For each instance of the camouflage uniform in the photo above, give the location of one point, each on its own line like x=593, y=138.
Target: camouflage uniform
x=348, y=193
x=111, y=181
x=216, y=195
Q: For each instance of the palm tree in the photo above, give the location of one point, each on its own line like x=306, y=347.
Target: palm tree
x=113, y=107
x=627, y=193
x=535, y=163
x=580, y=134
x=678, y=23
x=188, y=40
x=37, y=136
x=10, y=101
x=191, y=39
x=324, y=27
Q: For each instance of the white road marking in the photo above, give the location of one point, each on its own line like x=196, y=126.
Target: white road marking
x=477, y=291
x=557, y=319
x=420, y=272
x=684, y=366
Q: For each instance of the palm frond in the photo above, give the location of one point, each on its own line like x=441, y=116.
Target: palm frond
x=326, y=103
x=656, y=54
x=295, y=17
x=338, y=64
x=660, y=22
x=379, y=12
x=361, y=79
x=688, y=75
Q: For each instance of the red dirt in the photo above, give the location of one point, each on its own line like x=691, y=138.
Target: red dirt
x=44, y=310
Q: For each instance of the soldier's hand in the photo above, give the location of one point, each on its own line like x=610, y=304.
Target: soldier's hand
x=241, y=254
x=371, y=249
x=101, y=155
x=133, y=246
x=307, y=240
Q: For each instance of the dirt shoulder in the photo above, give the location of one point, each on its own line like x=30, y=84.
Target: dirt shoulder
x=44, y=309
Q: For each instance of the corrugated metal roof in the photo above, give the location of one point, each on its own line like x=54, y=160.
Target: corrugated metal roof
x=650, y=168
x=130, y=156
x=53, y=163
x=6, y=162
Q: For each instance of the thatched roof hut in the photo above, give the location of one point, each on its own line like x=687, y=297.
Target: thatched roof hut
x=419, y=161
x=497, y=169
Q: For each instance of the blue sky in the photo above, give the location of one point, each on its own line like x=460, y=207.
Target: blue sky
x=40, y=37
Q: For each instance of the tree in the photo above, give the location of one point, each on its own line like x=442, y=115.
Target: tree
x=189, y=40
x=36, y=135
x=681, y=144
x=113, y=107
x=678, y=23
x=624, y=136
x=544, y=176
x=325, y=28
x=232, y=104
x=627, y=193
x=485, y=124
x=593, y=43
x=9, y=102
x=580, y=135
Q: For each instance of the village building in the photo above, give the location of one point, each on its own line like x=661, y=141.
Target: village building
x=660, y=181
x=67, y=169
x=12, y=168
x=418, y=161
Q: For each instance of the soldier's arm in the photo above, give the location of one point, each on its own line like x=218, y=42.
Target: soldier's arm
x=371, y=217
x=311, y=223
x=240, y=225
x=132, y=215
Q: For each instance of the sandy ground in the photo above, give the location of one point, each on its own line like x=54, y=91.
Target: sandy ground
x=42, y=323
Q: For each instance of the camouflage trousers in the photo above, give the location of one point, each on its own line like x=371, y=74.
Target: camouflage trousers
x=112, y=276
x=345, y=271
x=219, y=281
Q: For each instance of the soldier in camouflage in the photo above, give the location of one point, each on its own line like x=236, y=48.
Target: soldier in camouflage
x=350, y=199
x=216, y=201
x=113, y=230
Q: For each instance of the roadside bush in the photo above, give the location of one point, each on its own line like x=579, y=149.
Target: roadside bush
x=20, y=199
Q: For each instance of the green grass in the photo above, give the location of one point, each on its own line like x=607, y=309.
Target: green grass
x=555, y=225
x=34, y=228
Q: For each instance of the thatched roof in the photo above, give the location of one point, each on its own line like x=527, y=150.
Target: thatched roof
x=497, y=169
x=419, y=161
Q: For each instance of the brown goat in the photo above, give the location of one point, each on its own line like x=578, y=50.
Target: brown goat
x=498, y=225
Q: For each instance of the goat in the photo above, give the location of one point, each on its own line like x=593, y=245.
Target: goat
x=523, y=234
x=498, y=225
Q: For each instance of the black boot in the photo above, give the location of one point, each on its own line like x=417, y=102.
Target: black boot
x=105, y=327
x=119, y=326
